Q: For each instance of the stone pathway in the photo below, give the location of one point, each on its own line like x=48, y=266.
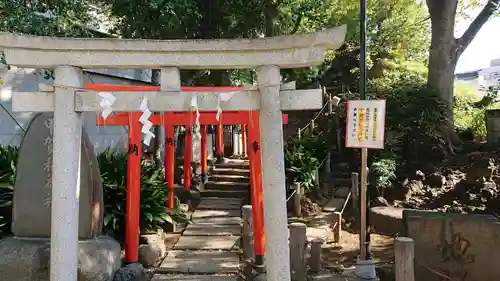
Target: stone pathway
x=208, y=250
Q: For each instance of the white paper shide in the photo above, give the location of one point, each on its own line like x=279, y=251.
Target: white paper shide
x=146, y=124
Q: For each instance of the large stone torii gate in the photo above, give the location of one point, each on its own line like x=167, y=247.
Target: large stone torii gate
x=67, y=56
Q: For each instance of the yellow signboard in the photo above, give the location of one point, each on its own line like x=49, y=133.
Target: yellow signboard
x=365, y=124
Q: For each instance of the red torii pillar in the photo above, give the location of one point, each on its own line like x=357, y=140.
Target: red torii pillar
x=244, y=139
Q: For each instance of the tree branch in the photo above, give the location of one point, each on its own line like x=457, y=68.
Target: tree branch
x=471, y=32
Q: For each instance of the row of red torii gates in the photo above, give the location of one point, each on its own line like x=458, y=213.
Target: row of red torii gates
x=248, y=120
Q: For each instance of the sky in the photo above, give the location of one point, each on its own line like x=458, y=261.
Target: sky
x=484, y=47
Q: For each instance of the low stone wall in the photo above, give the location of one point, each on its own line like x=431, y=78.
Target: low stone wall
x=462, y=247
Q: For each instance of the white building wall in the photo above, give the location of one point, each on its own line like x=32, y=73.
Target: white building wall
x=26, y=80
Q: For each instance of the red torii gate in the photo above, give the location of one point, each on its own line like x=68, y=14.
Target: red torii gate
x=169, y=119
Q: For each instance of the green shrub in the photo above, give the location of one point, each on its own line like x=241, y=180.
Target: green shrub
x=154, y=194
x=113, y=168
x=302, y=157
x=8, y=159
x=383, y=173
x=469, y=109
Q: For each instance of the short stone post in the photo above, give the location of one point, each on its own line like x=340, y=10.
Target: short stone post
x=328, y=163
x=299, y=134
x=247, y=239
x=337, y=229
x=316, y=177
x=404, y=257
x=315, y=259
x=296, y=199
x=355, y=190
x=298, y=246
x=312, y=127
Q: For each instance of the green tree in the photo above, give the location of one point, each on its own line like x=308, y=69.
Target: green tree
x=45, y=17
x=445, y=49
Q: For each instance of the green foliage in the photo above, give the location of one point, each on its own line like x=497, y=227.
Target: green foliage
x=302, y=158
x=413, y=118
x=383, y=172
x=113, y=167
x=8, y=159
x=469, y=109
x=44, y=17
x=154, y=213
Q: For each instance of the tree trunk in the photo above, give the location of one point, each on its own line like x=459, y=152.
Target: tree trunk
x=443, y=51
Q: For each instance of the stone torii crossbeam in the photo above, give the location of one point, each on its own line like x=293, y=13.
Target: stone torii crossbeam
x=68, y=56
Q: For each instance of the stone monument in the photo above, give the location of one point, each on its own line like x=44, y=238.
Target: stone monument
x=26, y=255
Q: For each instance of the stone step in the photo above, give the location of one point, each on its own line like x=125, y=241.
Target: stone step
x=229, y=171
x=199, y=262
x=342, y=174
x=218, y=221
x=225, y=193
x=215, y=213
x=194, y=277
x=342, y=181
x=234, y=165
x=341, y=167
x=212, y=230
x=226, y=243
x=342, y=192
x=220, y=204
x=230, y=178
x=334, y=205
x=224, y=185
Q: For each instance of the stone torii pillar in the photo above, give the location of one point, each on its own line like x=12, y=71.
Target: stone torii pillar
x=69, y=55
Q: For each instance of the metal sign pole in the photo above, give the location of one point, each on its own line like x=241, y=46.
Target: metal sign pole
x=363, y=229
x=362, y=90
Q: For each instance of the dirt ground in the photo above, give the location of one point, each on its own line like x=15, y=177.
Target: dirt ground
x=342, y=255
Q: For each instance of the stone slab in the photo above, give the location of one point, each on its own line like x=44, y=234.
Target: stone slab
x=342, y=191
x=206, y=243
x=215, y=213
x=25, y=259
x=212, y=230
x=334, y=205
x=347, y=275
x=177, y=277
x=232, y=201
x=204, y=262
x=460, y=246
x=219, y=220
x=217, y=206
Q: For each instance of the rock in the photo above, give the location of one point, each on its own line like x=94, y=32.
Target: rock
x=436, y=180
x=489, y=191
x=379, y=202
x=148, y=255
x=31, y=203
x=131, y=272
x=482, y=170
x=28, y=259
x=411, y=188
x=419, y=176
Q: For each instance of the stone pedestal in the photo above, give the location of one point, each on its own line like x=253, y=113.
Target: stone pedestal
x=28, y=259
